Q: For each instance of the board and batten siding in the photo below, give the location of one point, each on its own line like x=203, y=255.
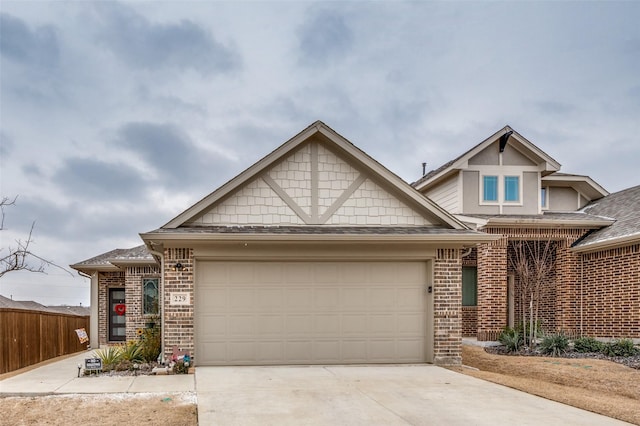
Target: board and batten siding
x=446, y=195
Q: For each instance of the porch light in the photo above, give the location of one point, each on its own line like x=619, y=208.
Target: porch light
x=178, y=267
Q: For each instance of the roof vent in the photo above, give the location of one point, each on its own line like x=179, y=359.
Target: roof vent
x=424, y=169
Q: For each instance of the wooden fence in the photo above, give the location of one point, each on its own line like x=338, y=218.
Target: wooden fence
x=30, y=337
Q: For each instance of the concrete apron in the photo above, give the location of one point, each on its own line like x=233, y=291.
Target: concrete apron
x=370, y=395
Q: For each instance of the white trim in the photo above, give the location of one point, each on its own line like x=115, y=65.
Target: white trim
x=501, y=174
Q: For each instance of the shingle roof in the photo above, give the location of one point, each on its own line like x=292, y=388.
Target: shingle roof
x=624, y=207
x=105, y=259
x=316, y=230
x=546, y=216
x=29, y=305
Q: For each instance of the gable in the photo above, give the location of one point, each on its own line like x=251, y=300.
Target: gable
x=313, y=185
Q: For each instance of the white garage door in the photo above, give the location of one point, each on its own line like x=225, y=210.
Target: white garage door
x=259, y=313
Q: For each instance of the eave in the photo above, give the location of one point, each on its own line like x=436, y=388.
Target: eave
x=608, y=244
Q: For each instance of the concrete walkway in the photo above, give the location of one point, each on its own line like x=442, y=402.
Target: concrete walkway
x=320, y=395
x=61, y=377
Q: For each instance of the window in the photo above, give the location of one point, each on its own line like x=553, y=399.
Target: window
x=150, y=298
x=511, y=188
x=469, y=286
x=490, y=188
x=543, y=197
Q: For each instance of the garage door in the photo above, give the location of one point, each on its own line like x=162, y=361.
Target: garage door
x=261, y=313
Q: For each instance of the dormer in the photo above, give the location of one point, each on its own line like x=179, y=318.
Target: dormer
x=500, y=175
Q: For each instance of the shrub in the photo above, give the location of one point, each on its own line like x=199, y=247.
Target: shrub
x=150, y=344
x=110, y=356
x=180, y=368
x=622, y=347
x=554, y=344
x=131, y=351
x=512, y=339
x=587, y=344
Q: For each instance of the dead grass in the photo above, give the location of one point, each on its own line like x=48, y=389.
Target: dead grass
x=599, y=386
x=102, y=409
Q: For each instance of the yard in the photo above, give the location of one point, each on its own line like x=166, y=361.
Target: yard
x=600, y=386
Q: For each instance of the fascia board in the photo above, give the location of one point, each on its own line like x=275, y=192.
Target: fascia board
x=478, y=237
x=537, y=223
x=574, y=181
x=89, y=268
x=608, y=244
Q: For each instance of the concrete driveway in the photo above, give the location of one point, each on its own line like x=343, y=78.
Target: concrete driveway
x=370, y=395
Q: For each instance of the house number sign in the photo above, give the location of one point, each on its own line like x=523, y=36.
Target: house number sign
x=182, y=298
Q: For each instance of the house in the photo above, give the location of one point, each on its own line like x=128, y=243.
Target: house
x=508, y=187
x=316, y=254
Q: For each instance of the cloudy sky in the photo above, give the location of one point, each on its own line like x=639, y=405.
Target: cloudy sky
x=115, y=117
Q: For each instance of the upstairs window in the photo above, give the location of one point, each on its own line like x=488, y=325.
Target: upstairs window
x=511, y=188
x=490, y=188
x=543, y=198
x=150, y=298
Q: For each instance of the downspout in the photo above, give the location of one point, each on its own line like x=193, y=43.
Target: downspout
x=161, y=257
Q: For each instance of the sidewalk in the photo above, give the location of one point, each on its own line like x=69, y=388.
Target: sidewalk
x=61, y=377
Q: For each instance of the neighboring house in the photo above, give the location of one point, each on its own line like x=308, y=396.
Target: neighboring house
x=316, y=254
x=508, y=187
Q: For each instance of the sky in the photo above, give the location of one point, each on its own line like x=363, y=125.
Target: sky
x=117, y=116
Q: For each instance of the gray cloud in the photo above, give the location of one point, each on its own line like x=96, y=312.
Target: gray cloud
x=37, y=48
x=324, y=37
x=89, y=178
x=146, y=45
x=168, y=150
x=6, y=145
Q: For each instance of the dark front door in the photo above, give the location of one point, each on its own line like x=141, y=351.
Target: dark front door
x=117, y=315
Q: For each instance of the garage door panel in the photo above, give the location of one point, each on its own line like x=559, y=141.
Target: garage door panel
x=309, y=312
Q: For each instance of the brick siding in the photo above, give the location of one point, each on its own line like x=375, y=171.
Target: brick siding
x=447, y=302
x=133, y=293
x=610, y=302
x=178, y=319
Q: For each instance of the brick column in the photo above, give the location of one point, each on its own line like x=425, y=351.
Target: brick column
x=492, y=289
x=178, y=319
x=567, y=274
x=447, y=306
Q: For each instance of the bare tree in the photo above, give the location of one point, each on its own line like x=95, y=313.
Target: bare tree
x=534, y=263
x=20, y=257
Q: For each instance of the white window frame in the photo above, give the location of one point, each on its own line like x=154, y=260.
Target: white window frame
x=544, y=203
x=517, y=202
x=501, y=174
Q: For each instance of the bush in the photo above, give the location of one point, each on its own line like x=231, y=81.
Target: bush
x=622, y=347
x=131, y=351
x=587, y=344
x=511, y=338
x=110, y=357
x=554, y=344
x=180, y=367
x=150, y=344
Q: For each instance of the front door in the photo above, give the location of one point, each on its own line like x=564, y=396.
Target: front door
x=117, y=315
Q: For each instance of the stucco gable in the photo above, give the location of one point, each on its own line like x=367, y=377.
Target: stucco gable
x=307, y=180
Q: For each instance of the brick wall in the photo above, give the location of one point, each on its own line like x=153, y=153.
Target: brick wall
x=447, y=307
x=133, y=293
x=178, y=319
x=610, y=301
x=106, y=280
x=492, y=289
x=469, y=321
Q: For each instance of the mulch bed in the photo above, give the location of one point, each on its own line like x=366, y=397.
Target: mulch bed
x=629, y=361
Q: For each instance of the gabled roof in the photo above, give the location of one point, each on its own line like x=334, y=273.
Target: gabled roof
x=111, y=260
x=583, y=184
x=624, y=207
x=338, y=143
x=515, y=140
